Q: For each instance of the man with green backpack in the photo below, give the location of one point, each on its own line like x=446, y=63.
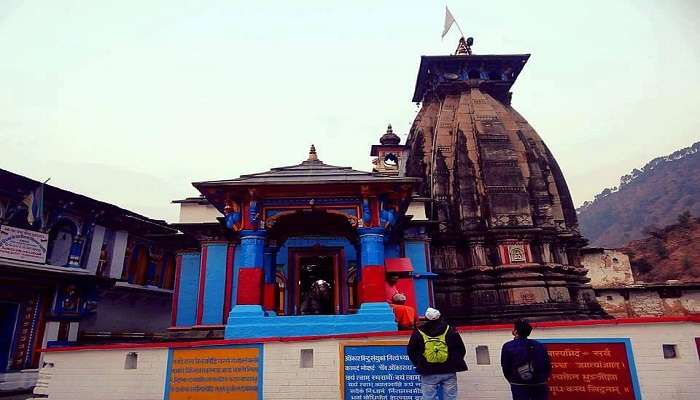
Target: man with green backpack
x=437, y=352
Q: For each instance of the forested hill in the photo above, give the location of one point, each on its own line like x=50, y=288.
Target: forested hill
x=646, y=198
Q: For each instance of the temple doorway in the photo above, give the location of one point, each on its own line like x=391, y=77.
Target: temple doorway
x=318, y=287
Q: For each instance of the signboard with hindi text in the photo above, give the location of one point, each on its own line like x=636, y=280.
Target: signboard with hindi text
x=215, y=373
x=377, y=370
x=23, y=244
x=592, y=369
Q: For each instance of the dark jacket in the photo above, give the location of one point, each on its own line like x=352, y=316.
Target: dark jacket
x=455, y=350
x=517, y=353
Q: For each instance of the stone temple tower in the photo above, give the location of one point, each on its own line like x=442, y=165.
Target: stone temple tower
x=505, y=241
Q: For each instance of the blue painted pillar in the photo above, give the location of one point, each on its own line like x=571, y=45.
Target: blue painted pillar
x=371, y=246
x=269, y=266
x=373, y=279
x=372, y=274
x=249, y=282
x=250, y=273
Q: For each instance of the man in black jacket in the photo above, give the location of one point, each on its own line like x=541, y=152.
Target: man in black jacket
x=437, y=352
x=526, y=364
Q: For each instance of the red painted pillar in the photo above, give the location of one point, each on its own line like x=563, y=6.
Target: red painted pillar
x=250, y=272
x=372, y=278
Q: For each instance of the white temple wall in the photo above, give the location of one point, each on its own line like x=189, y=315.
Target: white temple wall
x=92, y=374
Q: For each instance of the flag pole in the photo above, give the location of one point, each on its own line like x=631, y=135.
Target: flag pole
x=458, y=27
x=41, y=205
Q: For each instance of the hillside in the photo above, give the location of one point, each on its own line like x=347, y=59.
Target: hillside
x=669, y=253
x=652, y=196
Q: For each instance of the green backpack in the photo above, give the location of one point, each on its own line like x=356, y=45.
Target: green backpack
x=435, y=347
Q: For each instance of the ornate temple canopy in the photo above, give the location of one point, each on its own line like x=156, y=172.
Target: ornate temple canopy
x=308, y=179
x=450, y=74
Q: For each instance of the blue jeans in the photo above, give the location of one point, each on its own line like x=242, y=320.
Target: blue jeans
x=429, y=386
x=529, y=392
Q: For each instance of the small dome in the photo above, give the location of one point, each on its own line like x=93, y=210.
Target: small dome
x=389, y=138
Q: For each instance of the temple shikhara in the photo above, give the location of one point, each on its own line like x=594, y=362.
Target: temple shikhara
x=472, y=215
x=305, y=281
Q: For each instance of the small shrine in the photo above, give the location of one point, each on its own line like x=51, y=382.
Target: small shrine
x=304, y=250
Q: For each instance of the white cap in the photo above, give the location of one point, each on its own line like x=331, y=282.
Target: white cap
x=432, y=314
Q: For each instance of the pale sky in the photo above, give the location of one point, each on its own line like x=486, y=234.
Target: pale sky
x=130, y=101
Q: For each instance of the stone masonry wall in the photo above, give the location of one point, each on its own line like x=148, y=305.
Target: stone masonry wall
x=608, y=268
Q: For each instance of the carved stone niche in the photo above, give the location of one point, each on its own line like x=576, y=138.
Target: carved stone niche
x=478, y=256
x=559, y=294
x=514, y=252
x=484, y=297
x=546, y=253
x=525, y=295
x=449, y=258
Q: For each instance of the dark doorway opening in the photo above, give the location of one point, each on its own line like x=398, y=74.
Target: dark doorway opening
x=318, y=287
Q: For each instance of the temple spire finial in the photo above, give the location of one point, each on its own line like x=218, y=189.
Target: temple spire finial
x=464, y=47
x=312, y=154
x=390, y=137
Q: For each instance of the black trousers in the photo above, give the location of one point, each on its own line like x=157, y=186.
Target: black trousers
x=529, y=392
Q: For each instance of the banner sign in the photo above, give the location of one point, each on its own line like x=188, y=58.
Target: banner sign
x=592, y=369
x=377, y=371
x=215, y=373
x=23, y=244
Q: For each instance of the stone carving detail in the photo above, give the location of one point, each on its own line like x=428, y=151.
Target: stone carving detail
x=516, y=253
x=491, y=180
x=510, y=220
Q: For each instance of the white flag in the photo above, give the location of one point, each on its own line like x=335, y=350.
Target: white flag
x=449, y=20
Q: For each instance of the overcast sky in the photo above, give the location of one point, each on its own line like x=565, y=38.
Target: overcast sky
x=130, y=101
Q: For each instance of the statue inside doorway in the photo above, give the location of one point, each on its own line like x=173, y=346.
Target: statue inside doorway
x=317, y=299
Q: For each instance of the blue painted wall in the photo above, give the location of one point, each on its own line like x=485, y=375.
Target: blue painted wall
x=392, y=250
x=415, y=250
x=214, y=283
x=189, y=288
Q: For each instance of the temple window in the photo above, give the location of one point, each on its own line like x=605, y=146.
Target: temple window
x=306, y=358
x=391, y=161
x=670, y=350
x=60, y=241
x=168, y=274
x=131, y=361
x=482, y=355
x=138, y=266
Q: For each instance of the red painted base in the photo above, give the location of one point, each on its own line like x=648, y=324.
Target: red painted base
x=373, y=284
x=249, y=286
x=269, y=297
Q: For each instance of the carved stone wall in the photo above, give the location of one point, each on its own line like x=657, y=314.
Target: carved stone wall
x=505, y=241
